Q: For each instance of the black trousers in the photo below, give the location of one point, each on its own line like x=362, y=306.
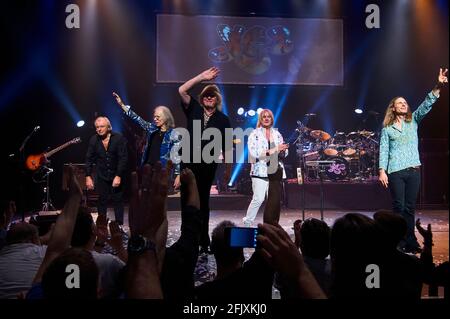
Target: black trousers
x=106, y=192
x=204, y=176
x=404, y=186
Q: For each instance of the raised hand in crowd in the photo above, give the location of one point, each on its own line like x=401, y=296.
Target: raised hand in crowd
x=148, y=222
x=297, y=234
x=62, y=232
x=281, y=253
x=427, y=234
x=116, y=241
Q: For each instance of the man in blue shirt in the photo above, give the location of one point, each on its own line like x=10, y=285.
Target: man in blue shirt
x=399, y=165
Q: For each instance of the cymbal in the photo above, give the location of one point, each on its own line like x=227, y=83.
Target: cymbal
x=366, y=133
x=320, y=135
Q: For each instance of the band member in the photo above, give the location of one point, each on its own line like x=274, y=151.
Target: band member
x=161, y=137
x=399, y=162
x=108, y=150
x=207, y=112
x=263, y=143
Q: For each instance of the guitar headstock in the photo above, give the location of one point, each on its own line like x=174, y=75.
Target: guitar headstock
x=76, y=140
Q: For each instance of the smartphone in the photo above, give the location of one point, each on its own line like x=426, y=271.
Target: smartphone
x=241, y=237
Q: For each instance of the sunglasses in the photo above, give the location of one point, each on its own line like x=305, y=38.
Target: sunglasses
x=209, y=96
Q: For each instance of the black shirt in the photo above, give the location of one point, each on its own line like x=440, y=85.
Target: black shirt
x=194, y=111
x=111, y=162
x=153, y=154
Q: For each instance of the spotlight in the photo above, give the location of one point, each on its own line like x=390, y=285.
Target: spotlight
x=358, y=111
x=251, y=112
x=259, y=110
x=240, y=111
x=80, y=123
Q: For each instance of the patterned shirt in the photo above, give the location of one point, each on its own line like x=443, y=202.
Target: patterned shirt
x=257, y=148
x=399, y=148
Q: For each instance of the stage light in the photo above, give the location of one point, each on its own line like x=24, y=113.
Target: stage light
x=251, y=112
x=259, y=110
x=240, y=111
x=358, y=111
x=80, y=123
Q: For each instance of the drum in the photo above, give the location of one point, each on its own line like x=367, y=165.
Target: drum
x=339, y=170
x=334, y=150
x=331, y=150
x=349, y=152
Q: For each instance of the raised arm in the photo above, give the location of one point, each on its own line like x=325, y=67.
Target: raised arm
x=431, y=98
x=148, y=218
x=62, y=232
x=206, y=75
x=147, y=126
x=442, y=79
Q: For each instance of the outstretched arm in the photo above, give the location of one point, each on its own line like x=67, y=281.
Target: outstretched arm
x=442, y=79
x=431, y=98
x=147, y=126
x=206, y=75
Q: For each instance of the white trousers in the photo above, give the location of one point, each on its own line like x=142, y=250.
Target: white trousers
x=260, y=188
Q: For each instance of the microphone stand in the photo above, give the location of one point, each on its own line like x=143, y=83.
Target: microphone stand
x=22, y=172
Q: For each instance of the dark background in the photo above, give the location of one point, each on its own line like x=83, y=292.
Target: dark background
x=53, y=76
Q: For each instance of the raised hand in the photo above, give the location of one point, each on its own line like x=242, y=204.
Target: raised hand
x=442, y=78
x=148, y=203
x=210, y=74
x=426, y=234
x=119, y=100
x=297, y=227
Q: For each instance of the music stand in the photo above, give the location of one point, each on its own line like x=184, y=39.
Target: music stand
x=322, y=166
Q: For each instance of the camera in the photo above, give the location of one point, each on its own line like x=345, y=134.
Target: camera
x=241, y=237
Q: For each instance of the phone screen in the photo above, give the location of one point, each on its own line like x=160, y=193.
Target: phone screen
x=241, y=236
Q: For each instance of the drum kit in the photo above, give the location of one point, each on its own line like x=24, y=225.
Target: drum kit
x=342, y=157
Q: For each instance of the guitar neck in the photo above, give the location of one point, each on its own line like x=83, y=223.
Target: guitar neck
x=53, y=151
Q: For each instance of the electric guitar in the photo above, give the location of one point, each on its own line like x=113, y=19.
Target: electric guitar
x=33, y=162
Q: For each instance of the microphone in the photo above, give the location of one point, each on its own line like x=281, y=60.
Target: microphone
x=36, y=128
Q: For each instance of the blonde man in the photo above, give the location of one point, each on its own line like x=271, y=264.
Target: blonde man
x=207, y=111
x=108, y=150
x=263, y=142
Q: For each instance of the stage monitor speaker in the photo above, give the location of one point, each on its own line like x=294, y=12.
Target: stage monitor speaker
x=43, y=220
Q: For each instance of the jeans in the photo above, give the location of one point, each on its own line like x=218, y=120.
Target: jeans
x=106, y=191
x=404, y=186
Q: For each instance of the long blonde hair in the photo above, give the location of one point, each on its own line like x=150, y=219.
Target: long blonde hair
x=389, y=116
x=260, y=116
x=169, y=121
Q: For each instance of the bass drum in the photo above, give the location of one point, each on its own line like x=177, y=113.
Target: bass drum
x=339, y=170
